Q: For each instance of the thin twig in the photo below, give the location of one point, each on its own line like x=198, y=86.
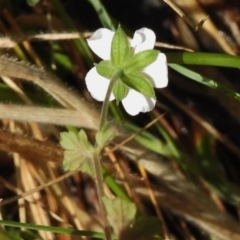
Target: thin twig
x=43, y=186
x=13, y=40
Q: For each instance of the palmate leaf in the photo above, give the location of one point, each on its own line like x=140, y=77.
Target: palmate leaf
x=77, y=152
x=104, y=135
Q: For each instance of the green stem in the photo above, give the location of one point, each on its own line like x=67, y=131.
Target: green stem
x=100, y=190
x=96, y=158
x=104, y=112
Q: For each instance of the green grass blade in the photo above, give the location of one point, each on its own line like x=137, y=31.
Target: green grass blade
x=204, y=80
x=68, y=231
x=149, y=141
x=209, y=168
x=210, y=59
x=112, y=184
x=103, y=15
x=80, y=43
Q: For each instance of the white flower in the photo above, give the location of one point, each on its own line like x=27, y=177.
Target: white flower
x=134, y=102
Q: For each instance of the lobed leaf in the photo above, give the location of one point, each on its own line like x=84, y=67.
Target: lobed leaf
x=77, y=152
x=104, y=135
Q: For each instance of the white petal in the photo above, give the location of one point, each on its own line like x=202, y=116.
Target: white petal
x=97, y=85
x=100, y=43
x=158, y=71
x=143, y=39
x=135, y=103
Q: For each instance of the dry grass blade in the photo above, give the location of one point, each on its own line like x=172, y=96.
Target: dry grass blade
x=184, y=16
x=44, y=115
x=29, y=147
x=50, y=84
x=12, y=41
x=198, y=15
x=204, y=124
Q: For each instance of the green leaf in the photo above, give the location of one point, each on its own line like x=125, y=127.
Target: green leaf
x=120, y=91
x=105, y=69
x=104, y=135
x=142, y=229
x=120, y=48
x=140, y=82
x=141, y=60
x=120, y=213
x=77, y=152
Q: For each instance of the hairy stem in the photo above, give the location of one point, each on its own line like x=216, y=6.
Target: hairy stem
x=96, y=160
x=100, y=190
x=104, y=112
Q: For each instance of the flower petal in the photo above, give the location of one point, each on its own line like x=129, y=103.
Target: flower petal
x=100, y=43
x=97, y=85
x=158, y=71
x=135, y=102
x=143, y=39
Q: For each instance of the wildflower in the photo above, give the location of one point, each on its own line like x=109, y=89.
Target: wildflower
x=142, y=67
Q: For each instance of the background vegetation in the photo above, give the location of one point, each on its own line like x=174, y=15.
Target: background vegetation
x=182, y=168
